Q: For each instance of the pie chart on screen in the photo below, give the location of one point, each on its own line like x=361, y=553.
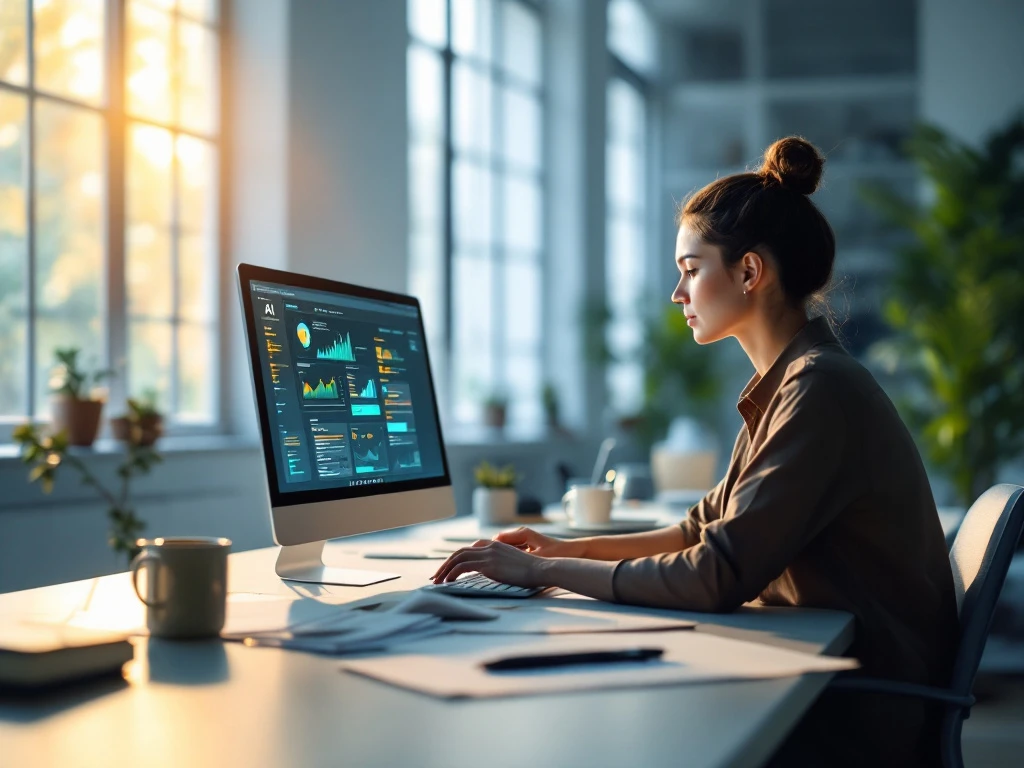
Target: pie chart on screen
x=302, y=331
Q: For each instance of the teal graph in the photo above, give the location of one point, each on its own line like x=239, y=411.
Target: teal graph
x=341, y=349
x=370, y=390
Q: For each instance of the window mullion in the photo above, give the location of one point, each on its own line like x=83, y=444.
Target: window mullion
x=117, y=131
x=448, y=331
x=498, y=233
x=175, y=320
x=30, y=213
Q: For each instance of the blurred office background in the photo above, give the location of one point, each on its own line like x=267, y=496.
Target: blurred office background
x=516, y=164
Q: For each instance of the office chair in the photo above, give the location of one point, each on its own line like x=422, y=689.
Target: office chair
x=980, y=558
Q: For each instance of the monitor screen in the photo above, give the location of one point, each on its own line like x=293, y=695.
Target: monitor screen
x=348, y=406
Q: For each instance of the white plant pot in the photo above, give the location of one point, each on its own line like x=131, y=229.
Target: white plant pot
x=677, y=470
x=494, y=506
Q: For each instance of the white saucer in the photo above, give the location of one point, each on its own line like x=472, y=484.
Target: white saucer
x=613, y=526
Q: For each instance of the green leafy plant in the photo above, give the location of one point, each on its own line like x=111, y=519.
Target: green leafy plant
x=46, y=454
x=144, y=406
x=956, y=304
x=549, y=400
x=489, y=476
x=70, y=379
x=680, y=377
x=496, y=400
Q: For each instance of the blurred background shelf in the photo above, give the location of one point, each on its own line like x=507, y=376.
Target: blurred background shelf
x=791, y=67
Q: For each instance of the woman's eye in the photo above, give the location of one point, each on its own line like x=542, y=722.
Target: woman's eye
x=691, y=272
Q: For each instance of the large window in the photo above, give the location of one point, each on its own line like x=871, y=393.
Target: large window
x=476, y=192
x=631, y=43
x=109, y=156
x=626, y=224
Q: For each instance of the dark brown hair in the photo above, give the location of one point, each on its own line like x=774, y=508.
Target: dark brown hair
x=769, y=210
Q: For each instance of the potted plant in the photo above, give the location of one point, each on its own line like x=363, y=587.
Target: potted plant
x=955, y=305
x=495, y=410
x=549, y=400
x=682, y=382
x=143, y=424
x=75, y=407
x=494, y=498
x=45, y=454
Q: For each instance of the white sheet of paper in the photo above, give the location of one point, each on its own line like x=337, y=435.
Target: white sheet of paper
x=554, y=620
x=250, y=614
x=447, y=668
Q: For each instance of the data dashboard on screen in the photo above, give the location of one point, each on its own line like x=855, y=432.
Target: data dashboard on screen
x=347, y=389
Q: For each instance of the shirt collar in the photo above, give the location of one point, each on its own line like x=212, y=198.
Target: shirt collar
x=760, y=390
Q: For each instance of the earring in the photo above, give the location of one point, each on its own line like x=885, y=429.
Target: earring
x=744, y=293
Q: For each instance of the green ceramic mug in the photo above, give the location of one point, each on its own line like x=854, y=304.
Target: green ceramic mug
x=186, y=585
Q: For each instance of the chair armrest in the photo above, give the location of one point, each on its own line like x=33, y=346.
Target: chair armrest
x=896, y=688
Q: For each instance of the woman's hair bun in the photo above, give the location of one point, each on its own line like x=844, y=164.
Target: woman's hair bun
x=794, y=163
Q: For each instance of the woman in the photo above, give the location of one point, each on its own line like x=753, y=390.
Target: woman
x=825, y=503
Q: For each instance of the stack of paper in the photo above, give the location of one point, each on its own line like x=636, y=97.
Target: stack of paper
x=311, y=625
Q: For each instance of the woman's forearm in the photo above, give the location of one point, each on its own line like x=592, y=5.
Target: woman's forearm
x=592, y=578
x=632, y=545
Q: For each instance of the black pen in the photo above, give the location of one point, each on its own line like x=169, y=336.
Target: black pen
x=567, y=659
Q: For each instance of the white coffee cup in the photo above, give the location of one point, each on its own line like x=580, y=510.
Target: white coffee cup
x=588, y=504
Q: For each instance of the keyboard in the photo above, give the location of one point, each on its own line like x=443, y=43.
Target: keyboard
x=478, y=585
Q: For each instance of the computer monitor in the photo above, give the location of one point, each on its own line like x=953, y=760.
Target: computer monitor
x=347, y=413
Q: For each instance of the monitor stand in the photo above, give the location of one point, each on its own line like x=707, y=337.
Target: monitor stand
x=304, y=562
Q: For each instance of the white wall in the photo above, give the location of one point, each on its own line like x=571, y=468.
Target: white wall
x=257, y=179
x=63, y=537
x=576, y=62
x=348, y=142
x=971, y=64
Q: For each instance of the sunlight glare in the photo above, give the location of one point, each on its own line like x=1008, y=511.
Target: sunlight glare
x=79, y=28
x=18, y=73
x=155, y=145
x=86, y=78
x=9, y=134
x=192, y=156
x=91, y=184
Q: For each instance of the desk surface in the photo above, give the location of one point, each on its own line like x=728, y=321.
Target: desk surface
x=211, y=703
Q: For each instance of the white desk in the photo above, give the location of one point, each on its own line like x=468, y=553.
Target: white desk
x=221, y=704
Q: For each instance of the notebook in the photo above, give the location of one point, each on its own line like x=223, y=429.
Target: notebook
x=39, y=656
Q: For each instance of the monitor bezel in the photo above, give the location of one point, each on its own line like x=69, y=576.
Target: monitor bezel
x=248, y=273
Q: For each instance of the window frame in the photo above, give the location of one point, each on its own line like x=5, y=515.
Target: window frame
x=620, y=70
x=499, y=170
x=116, y=120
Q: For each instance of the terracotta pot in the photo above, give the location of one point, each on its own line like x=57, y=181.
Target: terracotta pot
x=494, y=416
x=146, y=430
x=79, y=418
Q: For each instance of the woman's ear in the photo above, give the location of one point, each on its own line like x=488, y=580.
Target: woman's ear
x=752, y=273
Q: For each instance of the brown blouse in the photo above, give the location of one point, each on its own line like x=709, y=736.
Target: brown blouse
x=825, y=504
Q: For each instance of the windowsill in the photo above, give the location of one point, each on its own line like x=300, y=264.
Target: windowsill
x=470, y=436
x=172, y=444
x=457, y=437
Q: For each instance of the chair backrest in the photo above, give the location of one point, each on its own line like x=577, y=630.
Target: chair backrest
x=980, y=557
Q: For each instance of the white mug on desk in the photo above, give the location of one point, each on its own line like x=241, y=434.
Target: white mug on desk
x=588, y=504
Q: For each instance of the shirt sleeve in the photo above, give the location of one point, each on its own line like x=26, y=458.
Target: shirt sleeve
x=781, y=499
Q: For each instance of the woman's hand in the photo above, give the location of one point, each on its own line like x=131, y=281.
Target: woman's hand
x=495, y=560
x=538, y=544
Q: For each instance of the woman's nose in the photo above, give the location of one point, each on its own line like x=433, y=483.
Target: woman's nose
x=679, y=296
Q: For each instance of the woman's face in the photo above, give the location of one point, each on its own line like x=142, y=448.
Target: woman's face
x=710, y=294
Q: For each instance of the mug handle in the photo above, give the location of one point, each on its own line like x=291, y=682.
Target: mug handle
x=137, y=565
x=567, y=500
